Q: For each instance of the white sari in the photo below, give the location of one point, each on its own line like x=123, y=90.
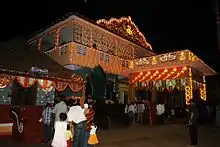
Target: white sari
x=59, y=138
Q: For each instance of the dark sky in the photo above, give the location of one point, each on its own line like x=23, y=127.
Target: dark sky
x=167, y=24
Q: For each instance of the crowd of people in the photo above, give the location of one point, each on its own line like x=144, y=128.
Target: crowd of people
x=137, y=111
x=69, y=124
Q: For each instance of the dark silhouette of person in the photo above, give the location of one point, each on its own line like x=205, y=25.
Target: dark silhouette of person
x=193, y=123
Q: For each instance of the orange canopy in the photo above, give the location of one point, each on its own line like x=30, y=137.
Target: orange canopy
x=160, y=74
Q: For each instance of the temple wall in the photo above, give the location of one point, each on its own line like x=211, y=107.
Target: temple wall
x=74, y=53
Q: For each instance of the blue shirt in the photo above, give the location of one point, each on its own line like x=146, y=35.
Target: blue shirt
x=47, y=116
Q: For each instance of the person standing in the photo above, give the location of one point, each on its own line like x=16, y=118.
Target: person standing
x=131, y=113
x=69, y=136
x=160, y=112
x=140, y=112
x=193, y=124
x=60, y=107
x=89, y=113
x=47, y=121
x=93, y=139
x=59, y=138
x=153, y=114
x=77, y=116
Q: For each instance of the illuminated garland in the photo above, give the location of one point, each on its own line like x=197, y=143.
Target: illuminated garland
x=203, y=90
x=188, y=88
x=5, y=80
x=76, y=85
x=160, y=74
x=126, y=28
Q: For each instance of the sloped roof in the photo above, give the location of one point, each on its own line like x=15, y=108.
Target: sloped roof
x=17, y=55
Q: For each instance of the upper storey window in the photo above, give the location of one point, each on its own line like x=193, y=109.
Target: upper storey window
x=81, y=34
x=66, y=35
x=48, y=42
x=77, y=33
x=103, y=42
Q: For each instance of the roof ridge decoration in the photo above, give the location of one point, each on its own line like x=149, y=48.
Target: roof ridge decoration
x=126, y=28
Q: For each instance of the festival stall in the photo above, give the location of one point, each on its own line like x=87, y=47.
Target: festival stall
x=29, y=80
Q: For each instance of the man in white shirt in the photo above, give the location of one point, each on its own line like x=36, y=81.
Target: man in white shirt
x=140, y=112
x=76, y=115
x=160, y=112
x=131, y=113
x=60, y=107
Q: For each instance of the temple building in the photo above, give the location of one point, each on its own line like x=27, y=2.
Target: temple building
x=121, y=50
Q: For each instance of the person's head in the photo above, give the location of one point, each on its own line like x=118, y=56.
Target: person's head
x=68, y=127
x=86, y=106
x=90, y=105
x=48, y=105
x=62, y=98
x=63, y=117
x=70, y=103
x=193, y=102
x=77, y=102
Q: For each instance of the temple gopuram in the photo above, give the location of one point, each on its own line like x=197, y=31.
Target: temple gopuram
x=121, y=49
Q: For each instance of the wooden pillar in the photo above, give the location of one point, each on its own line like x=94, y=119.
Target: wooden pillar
x=154, y=95
x=131, y=94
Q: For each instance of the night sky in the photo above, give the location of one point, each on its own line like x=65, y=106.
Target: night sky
x=167, y=25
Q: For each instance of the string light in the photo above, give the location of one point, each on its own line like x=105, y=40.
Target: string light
x=203, y=90
x=162, y=74
x=76, y=83
x=188, y=88
x=119, y=58
x=182, y=56
x=119, y=26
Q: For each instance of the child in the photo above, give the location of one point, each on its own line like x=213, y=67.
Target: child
x=93, y=140
x=59, y=139
x=69, y=136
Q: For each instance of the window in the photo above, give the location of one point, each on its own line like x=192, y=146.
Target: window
x=104, y=57
x=81, y=50
x=86, y=37
x=94, y=39
x=77, y=33
x=124, y=63
x=66, y=35
x=48, y=42
x=63, y=50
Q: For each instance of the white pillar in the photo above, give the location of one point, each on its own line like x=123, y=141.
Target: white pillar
x=122, y=97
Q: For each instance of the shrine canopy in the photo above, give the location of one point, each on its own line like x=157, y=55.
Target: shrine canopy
x=17, y=58
x=173, y=65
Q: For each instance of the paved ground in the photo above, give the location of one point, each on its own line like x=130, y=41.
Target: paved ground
x=151, y=136
x=157, y=136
